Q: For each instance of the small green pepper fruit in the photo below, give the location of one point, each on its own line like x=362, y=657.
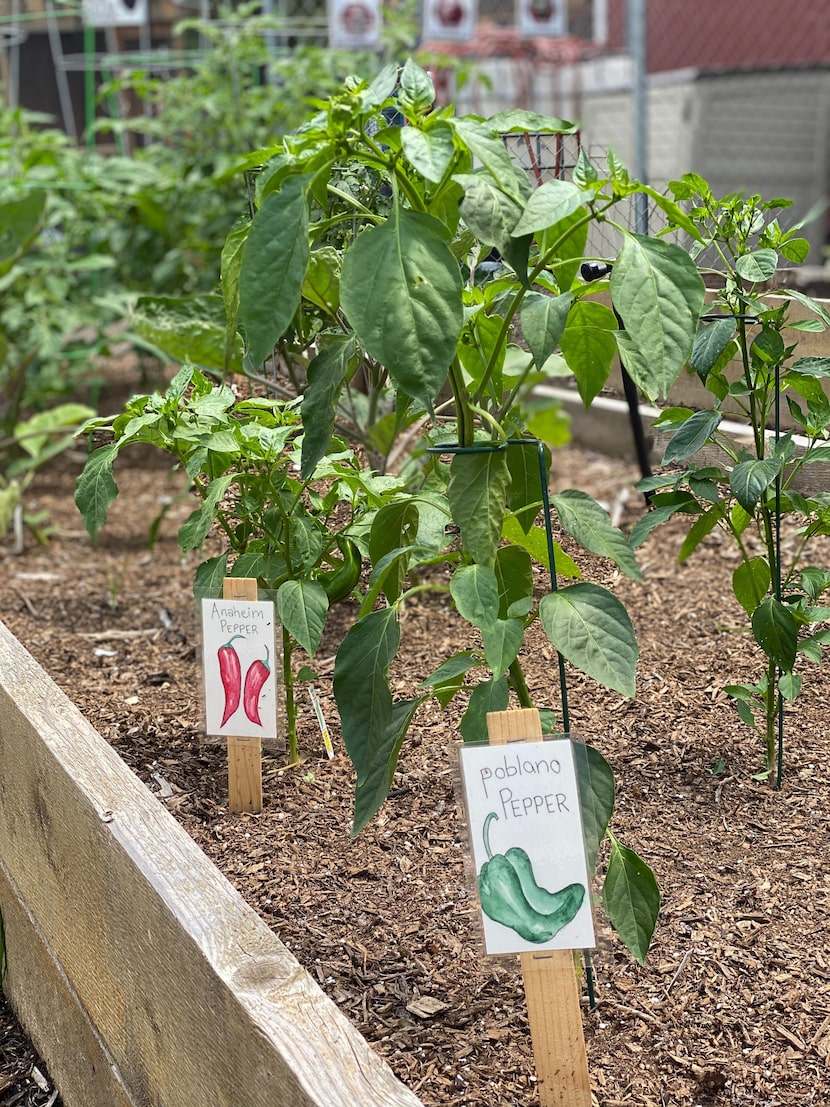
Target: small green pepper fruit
x=510, y=895
x=341, y=581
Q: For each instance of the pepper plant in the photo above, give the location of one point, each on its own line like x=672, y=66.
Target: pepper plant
x=362, y=267
x=746, y=356
x=242, y=458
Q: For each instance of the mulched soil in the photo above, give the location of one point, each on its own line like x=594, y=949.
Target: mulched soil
x=733, y=1006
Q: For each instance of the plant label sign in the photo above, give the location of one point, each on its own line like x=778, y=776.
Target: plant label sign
x=238, y=660
x=522, y=804
x=450, y=19
x=354, y=24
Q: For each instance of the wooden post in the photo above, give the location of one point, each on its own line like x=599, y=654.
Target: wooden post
x=244, y=754
x=549, y=978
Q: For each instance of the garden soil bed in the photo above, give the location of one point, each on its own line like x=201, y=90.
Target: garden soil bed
x=733, y=1006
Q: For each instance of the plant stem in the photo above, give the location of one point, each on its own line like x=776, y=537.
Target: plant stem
x=771, y=712
x=519, y=684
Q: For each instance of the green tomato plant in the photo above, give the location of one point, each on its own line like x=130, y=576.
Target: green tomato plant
x=746, y=356
x=362, y=267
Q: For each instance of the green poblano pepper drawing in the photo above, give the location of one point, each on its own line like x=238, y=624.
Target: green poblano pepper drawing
x=510, y=895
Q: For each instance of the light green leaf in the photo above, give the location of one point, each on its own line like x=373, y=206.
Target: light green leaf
x=776, y=632
x=273, y=268
x=187, y=328
x=518, y=120
x=401, y=291
x=477, y=493
x=230, y=267
x=659, y=294
x=475, y=590
x=789, y=686
x=590, y=627
x=487, y=210
x=590, y=524
x=589, y=347
x=543, y=322
x=430, y=152
x=321, y=284
x=209, y=576
x=547, y=205
x=194, y=530
x=750, y=479
x=757, y=266
x=394, y=530
x=632, y=899
x=488, y=149
x=535, y=542
x=302, y=607
x=750, y=583
x=416, y=88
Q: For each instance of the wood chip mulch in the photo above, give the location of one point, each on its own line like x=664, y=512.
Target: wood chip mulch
x=733, y=1006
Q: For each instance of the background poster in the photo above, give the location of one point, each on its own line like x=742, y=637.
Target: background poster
x=239, y=671
x=354, y=24
x=522, y=803
x=450, y=19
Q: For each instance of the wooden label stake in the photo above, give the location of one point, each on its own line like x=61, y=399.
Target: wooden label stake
x=549, y=978
x=244, y=754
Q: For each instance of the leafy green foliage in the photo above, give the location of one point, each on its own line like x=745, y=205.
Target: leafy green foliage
x=746, y=356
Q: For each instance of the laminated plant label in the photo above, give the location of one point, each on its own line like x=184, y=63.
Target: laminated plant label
x=239, y=671
x=522, y=803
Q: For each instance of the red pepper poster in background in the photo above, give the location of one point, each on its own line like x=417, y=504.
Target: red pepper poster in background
x=354, y=24
x=450, y=19
x=239, y=670
x=525, y=825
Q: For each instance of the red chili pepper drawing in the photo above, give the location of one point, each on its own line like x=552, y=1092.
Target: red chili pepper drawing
x=230, y=670
x=255, y=678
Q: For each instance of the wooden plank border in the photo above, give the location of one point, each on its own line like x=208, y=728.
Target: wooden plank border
x=141, y=975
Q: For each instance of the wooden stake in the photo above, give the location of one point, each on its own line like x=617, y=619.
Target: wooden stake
x=244, y=754
x=550, y=977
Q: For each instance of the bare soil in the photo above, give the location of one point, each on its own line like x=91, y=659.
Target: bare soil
x=733, y=1006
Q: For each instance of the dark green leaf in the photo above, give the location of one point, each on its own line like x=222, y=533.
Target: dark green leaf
x=692, y=436
x=590, y=628
x=543, y=321
x=209, y=578
x=395, y=527
x=372, y=789
x=776, y=632
x=514, y=575
x=659, y=294
x=430, y=152
x=750, y=479
x=487, y=210
x=596, y=797
x=632, y=899
x=477, y=494
x=273, y=268
x=302, y=607
x=194, y=530
x=589, y=523
x=750, y=583
x=401, y=291
x=502, y=642
x=95, y=487
x=526, y=476
x=490, y=695
x=711, y=340
x=474, y=589
x=327, y=373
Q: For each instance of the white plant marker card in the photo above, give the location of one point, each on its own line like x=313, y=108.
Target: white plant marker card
x=522, y=803
x=239, y=671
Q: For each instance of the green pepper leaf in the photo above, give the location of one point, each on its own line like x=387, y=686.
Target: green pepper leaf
x=302, y=607
x=631, y=898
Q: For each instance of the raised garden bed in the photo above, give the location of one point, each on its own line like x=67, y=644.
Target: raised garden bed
x=734, y=1004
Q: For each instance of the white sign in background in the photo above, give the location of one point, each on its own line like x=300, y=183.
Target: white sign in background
x=239, y=671
x=524, y=796
x=354, y=24
x=450, y=19
x=114, y=13
x=541, y=18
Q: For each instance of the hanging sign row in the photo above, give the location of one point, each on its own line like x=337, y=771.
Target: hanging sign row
x=356, y=23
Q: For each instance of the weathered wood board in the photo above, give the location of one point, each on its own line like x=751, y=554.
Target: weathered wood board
x=140, y=973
